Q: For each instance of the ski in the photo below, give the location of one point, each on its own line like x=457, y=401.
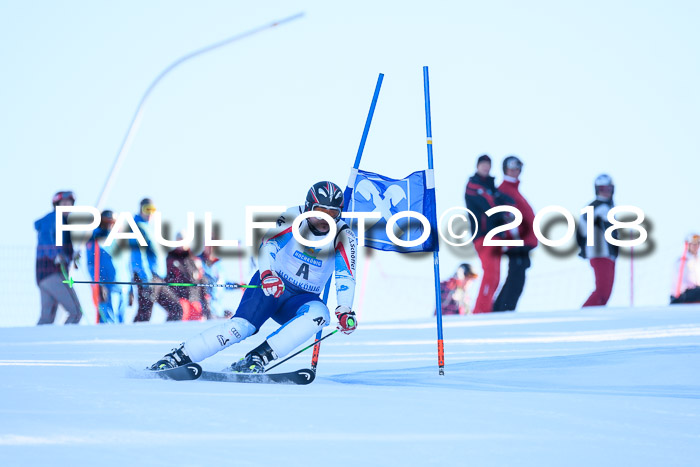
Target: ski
x=193, y=371
x=186, y=372
x=303, y=376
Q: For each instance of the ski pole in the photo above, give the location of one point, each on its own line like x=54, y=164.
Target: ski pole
x=300, y=351
x=228, y=285
x=316, y=352
x=317, y=342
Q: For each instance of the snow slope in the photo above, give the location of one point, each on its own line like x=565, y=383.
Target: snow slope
x=594, y=387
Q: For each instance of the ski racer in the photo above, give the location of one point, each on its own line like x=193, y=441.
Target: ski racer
x=291, y=276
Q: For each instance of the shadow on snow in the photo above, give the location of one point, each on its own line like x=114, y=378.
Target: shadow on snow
x=646, y=372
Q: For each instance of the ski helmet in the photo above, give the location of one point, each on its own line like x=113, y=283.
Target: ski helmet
x=326, y=195
x=604, y=180
x=61, y=195
x=512, y=162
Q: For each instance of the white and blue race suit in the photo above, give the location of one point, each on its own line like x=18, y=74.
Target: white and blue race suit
x=305, y=272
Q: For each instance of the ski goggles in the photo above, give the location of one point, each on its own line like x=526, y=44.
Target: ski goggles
x=695, y=238
x=61, y=195
x=330, y=210
x=148, y=208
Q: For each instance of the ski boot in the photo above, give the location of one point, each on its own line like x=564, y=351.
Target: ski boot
x=176, y=357
x=251, y=363
x=255, y=360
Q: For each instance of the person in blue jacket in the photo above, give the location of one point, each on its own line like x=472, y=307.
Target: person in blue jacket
x=112, y=298
x=52, y=265
x=147, y=266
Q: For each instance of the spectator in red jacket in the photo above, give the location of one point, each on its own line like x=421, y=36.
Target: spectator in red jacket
x=185, y=267
x=686, y=281
x=518, y=256
x=454, y=292
x=481, y=195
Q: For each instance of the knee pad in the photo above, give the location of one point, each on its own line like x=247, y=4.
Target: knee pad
x=217, y=338
x=317, y=310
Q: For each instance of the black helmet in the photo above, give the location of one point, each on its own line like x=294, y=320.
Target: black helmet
x=483, y=158
x=326, y=195
x=468, y=271
x=512, y=162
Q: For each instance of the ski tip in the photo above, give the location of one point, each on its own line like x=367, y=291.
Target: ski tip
x=189, y=371
x=306, y=375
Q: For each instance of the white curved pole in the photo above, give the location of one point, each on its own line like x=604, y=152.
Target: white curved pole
x=126, y=143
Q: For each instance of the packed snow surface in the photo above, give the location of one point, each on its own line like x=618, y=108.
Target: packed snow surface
x=584, y=387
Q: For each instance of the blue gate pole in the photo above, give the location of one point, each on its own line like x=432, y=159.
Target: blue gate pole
x=365, y=132
x=360, y=150
x=363, y=140
x=436, y=256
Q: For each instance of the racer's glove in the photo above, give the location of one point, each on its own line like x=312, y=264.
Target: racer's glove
x=271, y=284
x=347, y=322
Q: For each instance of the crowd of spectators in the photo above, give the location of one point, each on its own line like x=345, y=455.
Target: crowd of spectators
x=132, y=272
x=124, y=273
x=481, y=194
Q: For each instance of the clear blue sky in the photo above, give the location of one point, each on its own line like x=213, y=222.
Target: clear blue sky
x=574, y=89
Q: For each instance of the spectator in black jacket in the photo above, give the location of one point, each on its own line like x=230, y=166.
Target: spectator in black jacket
x=482, y=195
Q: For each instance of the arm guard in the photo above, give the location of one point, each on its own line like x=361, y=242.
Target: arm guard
x=345, y=263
